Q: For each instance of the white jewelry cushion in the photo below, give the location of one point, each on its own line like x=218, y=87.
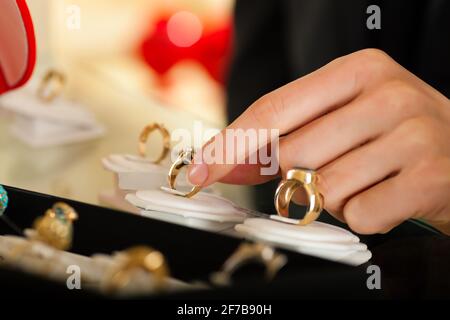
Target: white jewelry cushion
x=69, y=136
x=137, y=173
x=315, y=231
x=201, y=224
x=26, y=103
x=316, y=239
x=129, y=163
x=203, y=206
x=41, y=124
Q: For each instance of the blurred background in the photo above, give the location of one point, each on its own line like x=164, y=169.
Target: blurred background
x=129, y=62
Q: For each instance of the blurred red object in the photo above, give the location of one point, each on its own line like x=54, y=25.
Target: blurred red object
x=17, y=44
x=212, y=50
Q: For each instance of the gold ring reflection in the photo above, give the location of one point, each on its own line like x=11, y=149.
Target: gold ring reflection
x=143, y=137
x=185, y=158
x=51, y=85
x=251, y=252
x=299, y=178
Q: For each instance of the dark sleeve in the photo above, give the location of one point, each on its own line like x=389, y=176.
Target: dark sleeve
x=433, y=58
x=258, y=65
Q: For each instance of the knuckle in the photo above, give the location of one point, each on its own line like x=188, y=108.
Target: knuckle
x=371, y=63
x=421, y=134
x=352, y=211
x=400, y=98
x=333, y=201
x=372, y=55
x=288, y=158
x=430, y=182
x=268, y=110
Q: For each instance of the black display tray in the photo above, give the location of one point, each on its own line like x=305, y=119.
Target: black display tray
x=414, y=259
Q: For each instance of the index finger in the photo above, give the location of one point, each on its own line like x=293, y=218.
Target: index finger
x=288, y=108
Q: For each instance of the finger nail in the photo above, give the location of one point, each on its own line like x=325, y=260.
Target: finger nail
x=198, y=174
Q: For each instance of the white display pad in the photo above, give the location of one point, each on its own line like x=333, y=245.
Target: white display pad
x=200, y=224
x=69, y=136
x=26, y=103
x=116, y=200
x=137, y=173
x=203, y=206
x=316, y=239
x=214, y=213
x=41, y=124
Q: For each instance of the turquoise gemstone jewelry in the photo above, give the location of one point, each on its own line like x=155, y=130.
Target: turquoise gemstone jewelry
x=3, y=200
x=3, y=205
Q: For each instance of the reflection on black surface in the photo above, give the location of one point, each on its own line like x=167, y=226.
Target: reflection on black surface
x=414, y=260
x=414, y=266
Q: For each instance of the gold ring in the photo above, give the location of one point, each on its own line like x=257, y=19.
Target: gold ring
x=143, y=137
x=142, y=257
x=248, y=252
x=51, y=85
x=296, y=178
x=185, y=158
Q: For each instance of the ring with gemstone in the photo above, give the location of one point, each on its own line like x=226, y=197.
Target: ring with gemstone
x=185, y=158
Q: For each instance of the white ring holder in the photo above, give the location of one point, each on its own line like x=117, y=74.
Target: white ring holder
x=137, y=173
x=205, y=211
x=133, y=173
x=214, y=213
x=40, y=124
x=316, y=239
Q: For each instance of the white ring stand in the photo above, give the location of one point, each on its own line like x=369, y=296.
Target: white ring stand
x=43, y=124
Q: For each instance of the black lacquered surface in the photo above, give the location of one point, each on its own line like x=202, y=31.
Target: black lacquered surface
x=414, y=260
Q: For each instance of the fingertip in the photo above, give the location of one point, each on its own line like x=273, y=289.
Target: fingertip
x=198, y=174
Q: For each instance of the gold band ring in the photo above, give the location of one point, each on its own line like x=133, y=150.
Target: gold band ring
x=143, y=137
x=299, y=178
x=185, y=158
x=51, y=85
x=140, y=257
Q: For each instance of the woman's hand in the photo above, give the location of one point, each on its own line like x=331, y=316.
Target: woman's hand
x=378, y=136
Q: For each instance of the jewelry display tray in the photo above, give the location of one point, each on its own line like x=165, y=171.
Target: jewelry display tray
x=413, y=258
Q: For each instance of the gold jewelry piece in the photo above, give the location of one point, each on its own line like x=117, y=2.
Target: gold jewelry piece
x=55, y=228
x=51, y=85
x=250, y=252
x=185, y=158
x=142, y=257
x=295, y=179
x=143, y=137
